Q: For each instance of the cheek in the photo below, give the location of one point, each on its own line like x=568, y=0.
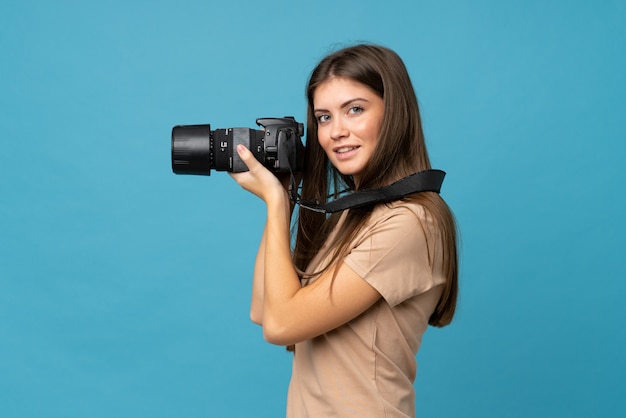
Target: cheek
x=322, y=138
x=374, y=130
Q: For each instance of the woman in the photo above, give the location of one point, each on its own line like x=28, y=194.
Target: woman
x=361, y=286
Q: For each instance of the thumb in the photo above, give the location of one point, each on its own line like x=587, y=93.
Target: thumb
x=246, y=156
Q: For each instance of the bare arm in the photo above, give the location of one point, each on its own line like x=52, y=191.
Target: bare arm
x=292, y=313
x=256, y=304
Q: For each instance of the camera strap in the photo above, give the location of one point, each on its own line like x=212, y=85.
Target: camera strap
x=422, y=181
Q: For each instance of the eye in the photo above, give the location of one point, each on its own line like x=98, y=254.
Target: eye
x=355, y=109
x=322, y=118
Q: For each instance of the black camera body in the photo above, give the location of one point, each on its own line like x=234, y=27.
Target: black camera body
x=196, y=149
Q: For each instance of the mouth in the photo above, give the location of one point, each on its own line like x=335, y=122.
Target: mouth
x=345, y=149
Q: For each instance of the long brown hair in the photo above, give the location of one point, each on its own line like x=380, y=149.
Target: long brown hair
x=401, y=151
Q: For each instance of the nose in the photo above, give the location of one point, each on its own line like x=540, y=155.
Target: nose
x=338, y=129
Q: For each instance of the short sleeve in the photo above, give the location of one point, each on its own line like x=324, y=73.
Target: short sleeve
x=392, y=255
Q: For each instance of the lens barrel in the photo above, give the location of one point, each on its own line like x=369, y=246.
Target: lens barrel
x=192, y=149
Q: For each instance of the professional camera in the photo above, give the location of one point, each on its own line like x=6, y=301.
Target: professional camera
x=196, y=149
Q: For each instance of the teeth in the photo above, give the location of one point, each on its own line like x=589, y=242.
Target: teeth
x=345, y=149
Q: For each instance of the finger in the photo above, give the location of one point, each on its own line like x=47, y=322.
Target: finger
x=247, y=157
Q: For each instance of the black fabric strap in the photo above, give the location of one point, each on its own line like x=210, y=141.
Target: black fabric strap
x=423, y=181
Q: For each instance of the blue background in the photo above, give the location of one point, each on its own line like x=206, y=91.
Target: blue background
x=124, y=289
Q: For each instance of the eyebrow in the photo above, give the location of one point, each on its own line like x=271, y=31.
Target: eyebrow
x=344, y=104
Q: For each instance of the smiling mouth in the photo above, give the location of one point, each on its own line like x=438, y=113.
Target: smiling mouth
x=345, y=149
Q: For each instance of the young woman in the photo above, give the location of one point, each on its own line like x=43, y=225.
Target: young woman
x=360, y=288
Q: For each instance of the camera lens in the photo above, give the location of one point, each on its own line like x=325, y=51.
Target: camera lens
x=192, y=149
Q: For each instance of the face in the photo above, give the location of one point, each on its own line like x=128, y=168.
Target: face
x=349, y=116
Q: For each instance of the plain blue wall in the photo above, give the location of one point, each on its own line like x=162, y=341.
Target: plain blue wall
x=124, y=289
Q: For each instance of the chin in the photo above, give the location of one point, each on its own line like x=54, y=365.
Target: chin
x=348, y=170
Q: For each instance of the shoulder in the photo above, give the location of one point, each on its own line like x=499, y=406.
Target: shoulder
x=396, y=222
x=395, y=251
x=401, y=211
x=401, y=222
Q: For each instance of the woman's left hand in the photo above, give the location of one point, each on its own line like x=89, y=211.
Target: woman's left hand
x=258, y=180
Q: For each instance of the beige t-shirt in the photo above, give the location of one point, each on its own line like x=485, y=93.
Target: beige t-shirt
x=366, y=367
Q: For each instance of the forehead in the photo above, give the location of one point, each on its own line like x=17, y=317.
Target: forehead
x=338, y=90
